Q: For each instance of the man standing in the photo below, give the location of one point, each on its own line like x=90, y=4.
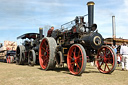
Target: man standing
x=124, y=53
x=50, y=31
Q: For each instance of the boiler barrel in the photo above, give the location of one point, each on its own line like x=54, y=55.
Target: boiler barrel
x=93, y=40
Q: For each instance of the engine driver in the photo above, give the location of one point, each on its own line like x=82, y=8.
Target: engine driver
x=50, y=31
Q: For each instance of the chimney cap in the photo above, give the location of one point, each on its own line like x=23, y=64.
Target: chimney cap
x=40, y=28
x=90, y=3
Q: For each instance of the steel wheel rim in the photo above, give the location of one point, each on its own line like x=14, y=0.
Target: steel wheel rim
x=107, y=60
x=75, y=59
x=44, y=54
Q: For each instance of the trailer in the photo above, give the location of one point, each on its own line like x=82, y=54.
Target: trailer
x=8, y=51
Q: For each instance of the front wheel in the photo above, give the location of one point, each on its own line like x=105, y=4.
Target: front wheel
x=76, y=59
x=106, y=60
x=31, y=58
x=20, y=55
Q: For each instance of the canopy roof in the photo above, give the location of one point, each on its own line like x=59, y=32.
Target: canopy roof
x=29, y=36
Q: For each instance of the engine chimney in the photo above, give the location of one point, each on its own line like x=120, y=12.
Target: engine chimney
x=90, y=13
x=113, y=27
x=41, y=32
x=114, y=30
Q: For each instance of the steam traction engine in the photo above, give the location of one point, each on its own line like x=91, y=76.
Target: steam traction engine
x=72, y=46
x=27, y=53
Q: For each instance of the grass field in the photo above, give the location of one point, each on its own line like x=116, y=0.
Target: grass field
x=12, y=74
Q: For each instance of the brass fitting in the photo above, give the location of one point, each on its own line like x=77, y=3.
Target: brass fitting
x=91, y=3
x=40, y=28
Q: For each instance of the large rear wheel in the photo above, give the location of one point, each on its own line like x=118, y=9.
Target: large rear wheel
x=106, y=60
x=76, y=59
x=47, y=53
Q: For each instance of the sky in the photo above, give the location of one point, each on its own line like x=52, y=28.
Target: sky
x=18, y=17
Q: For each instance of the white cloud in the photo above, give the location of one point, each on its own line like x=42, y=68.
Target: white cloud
x=126, y=3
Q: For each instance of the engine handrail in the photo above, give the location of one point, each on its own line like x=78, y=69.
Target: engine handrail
x=71, y=21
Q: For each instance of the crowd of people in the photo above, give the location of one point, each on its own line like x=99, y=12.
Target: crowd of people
x=122, y=56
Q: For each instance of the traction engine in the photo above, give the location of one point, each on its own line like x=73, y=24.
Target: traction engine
x=27, y=53
x=76, y=44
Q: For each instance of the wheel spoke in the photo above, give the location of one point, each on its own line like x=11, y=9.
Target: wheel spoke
x=79, y=52
x=72, y=65
x=78, y=56
x=80, y=60
x=42, y=56
x=111, y=62
x=48, y=50
x=43, y=48
x=78, y=65
x=105, y=52
x=74, y=52
x=45, y=43
x=101, y=64
x=107, y=66
x=109, y=55
x=70, y=57
x=45, y=61
x=76, y=69
x=47, y=55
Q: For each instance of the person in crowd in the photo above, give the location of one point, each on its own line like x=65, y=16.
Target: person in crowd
x=118, y=59
x=114, y=49
x=50, y=31
x=124, y=53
